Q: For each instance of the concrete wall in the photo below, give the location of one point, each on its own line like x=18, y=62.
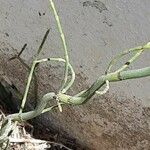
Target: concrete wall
x=95, y=32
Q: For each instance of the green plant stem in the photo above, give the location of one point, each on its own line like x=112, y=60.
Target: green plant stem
x=63, y=43
x=31, y=114
x=119, y=56
x=46, y=98
x=138, y=50
x=111, y=77
x=70, y=67
x=76, y=100
x=32, y=71
x=27, y=87
x=130, y=61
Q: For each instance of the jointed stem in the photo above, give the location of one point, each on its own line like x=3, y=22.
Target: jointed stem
x=70, y=67
x=38, y=110
x=130, y=61
x=27, y=87
x=111, y=77
x=32, y=72
x=138, y=50
x=63, y=43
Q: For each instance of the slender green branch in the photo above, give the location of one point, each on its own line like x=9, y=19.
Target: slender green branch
x=70, y=67
x=27, y=87
x=130, y=61
x=138, y=50
x=28, y=68
x=116, y=76
x=119, y=56
x=111, y=77
x=31, y=72
x=52, y=5
x=49, y=109
x=32, y=114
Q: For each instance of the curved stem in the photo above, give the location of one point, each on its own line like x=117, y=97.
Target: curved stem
x=138, y=51
x=70, y=67
x=130, y=61
x=116, y=76
x=111, y=77
x=31, y=114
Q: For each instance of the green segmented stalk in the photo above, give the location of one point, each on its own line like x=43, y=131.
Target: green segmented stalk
x=63, y=43
x=36, y=112
x=70, y=67
x=32, y=71
x=138, y=51
x=133, y=58
x=111, y=77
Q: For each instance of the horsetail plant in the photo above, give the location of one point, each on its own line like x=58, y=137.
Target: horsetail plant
x=61, y=97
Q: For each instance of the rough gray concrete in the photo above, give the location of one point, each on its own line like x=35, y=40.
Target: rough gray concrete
x=95, y=32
